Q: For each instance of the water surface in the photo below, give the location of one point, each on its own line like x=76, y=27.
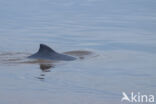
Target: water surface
x=120, y=32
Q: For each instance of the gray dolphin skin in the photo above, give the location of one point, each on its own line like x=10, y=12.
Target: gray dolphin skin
x=46, y=53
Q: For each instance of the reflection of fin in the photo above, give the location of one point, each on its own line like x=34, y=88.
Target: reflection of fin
x=125, y=97
x=46, y=67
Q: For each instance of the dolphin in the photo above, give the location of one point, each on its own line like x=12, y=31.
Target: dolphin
x=47, y=53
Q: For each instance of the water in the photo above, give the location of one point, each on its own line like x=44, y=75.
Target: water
x=120, y=32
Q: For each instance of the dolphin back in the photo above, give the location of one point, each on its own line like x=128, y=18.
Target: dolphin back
x=47, y=53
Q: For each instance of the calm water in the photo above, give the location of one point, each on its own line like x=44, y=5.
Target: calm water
x=121, y=32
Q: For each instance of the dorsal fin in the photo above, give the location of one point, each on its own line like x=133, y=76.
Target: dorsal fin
x=46, y=53
x=44, y=48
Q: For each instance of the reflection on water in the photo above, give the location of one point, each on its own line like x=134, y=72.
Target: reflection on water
x=45, y=68
x=45, y=65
